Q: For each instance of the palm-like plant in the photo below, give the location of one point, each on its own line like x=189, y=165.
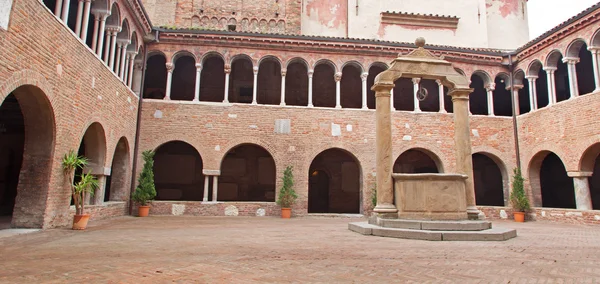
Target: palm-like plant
x=70, y=163
x=87, y=184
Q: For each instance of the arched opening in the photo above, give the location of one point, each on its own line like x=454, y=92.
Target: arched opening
x=324, y=85
x=247, y=174
x=183, y=83
x=100, y=6
x=72, y=17
x=212, y=79
x=585, y=67
x=556, y=187
x=93, y=147
x=26, y=150
x=178, y=172
x=590, y=162
x=431, y=102
x=541, y=85
x=403, y=98
x=51, y=5
x=241, y=81
x=502, y=98
x=374, y=70
x=488, y=180
x=155, y=83
x=478, y=101
x=417, y=161
x=563, y=89
x=117, y=184
x=123, y=40
x=269, y=82
x=351, y=86
x=334, y=183
x=524, y=102
x=296, y=84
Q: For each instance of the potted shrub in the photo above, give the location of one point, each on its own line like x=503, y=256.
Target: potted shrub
x=145, y=191
x=287, y=194
x=518, y=198
x=87, y=184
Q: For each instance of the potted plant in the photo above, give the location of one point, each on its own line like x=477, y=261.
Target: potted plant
x=518, y=198
x=287, y=194
x=87, y=184
x=145, y=191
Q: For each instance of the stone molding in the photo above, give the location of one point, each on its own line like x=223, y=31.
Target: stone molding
x=421, y=20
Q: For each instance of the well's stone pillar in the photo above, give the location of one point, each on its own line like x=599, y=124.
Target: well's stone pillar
x=583, y=197
x=462, y=139
x=384, y=159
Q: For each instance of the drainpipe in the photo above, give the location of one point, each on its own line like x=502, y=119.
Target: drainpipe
x=137, y=127
x=514, y=116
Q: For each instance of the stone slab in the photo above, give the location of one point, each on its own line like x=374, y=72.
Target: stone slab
x=456, y=225
x=407, y=234
x=362, y=228
x=495, y=234
x=14, y=232
x=400, y=224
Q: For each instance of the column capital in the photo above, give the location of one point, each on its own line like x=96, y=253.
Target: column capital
x=198, y=66
x=517, y=87
x=100, y=14
x=439, y=82
x=490, y=87
x=255, y=70
x=531, y=77
x=138, y=66
x=227, y=69
x=571, y=60
x=131, y=54
x=579, y=174
x=311, y=72
x=460, y=94
x=338, y=76
x=170, y=66
x=416, y=81
x=363, y=76
x=383, y=90
x=550, y=69
x=594, y=49
x=283, y=72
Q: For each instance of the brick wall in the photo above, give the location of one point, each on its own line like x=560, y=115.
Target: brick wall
x=78, y=89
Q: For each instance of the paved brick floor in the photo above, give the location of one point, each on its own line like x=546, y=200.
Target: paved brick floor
x=257, y=250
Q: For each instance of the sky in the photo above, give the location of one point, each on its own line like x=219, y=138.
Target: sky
x=546, y=14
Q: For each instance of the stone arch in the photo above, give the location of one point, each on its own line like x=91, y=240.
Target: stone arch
x=114, y=19
x=26, y=149
x=502, y=95
x=588, y=158
x=335, y=182
x=183, y=82
x=550, y=184
x=418, y=160
x=584, y=67
x=574, y=47
x=534, y=68
x=241, y=56
x=380, y=64
x=351, y=85
x=212, y=77
x=297, y=60
x=523, y=97
x=485, y=76
x=324, y=85
x=552, y=59
x=125, y=33
x=133, y=46
x=327, y=62
x=374, y=69
x=269, y=80
x=491, y=179
x=178, y=172
x=195, y=22
x=118, y=182
x=355, y=64
x=155, y=83
x=94, y=148
x=241, y=79
x=296, y=89
x=589, y=165
x=595, y=40
x=267, y=58
x=478, y=100
x=248, y=173
x=211, y=54
x=182, y=53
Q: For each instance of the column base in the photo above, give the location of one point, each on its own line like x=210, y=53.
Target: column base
x=338, y=107
x=311, y=105
x=282, y=104
x=417, y=110
x=473, y=213
x=443, y=111
x=386, y=208
x=364, y=107
x=166, y=99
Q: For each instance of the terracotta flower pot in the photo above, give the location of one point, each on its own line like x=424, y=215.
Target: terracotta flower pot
x=519, y=216
x=286, y=213
x=143, y=211
x=80, y=221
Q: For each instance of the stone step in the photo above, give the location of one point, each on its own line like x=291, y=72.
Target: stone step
x=432, y=225
x=495, y=234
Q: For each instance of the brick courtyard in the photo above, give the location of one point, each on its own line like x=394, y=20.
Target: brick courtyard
x=257, y=250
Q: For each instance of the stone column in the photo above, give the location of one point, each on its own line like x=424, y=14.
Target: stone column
x=573, y=87
x=98, y=197
x=58, y=8
x=170, y=68
x=123, y=60
x=363, y=78
x=441, y=96
x=206, y=181
x=79, y=16
x=282, y=100
x=215, y=188
x=113, y=45
x=100, y=35
x=462, y=140
x=86, y=19
x=532, y=92
x=338, y=78
x=416, y=82
x=517, y=88
x=551, y=86
x=583, y=197
x=117, y=62
x=490, y=98
x=130, y=72
x=254, y=86
x=65, y=10
x=126, y=67
x=226, y=95
x=95, y=33
x=137, y=80
x=197, y=85
x=384, y=159
x=310, y=87
x=595, y=51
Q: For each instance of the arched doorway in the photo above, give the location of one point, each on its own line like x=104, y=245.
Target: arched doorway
x=247, y=174
x=549, y=177
x=93, y=147
x=489, y=183
x=178, y=172
x=334, y=183
x=417, y=161
x=117, y=184
x=26, y=151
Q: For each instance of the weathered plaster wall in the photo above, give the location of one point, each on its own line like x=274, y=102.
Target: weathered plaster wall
x=508, y=27
x=325, y=18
